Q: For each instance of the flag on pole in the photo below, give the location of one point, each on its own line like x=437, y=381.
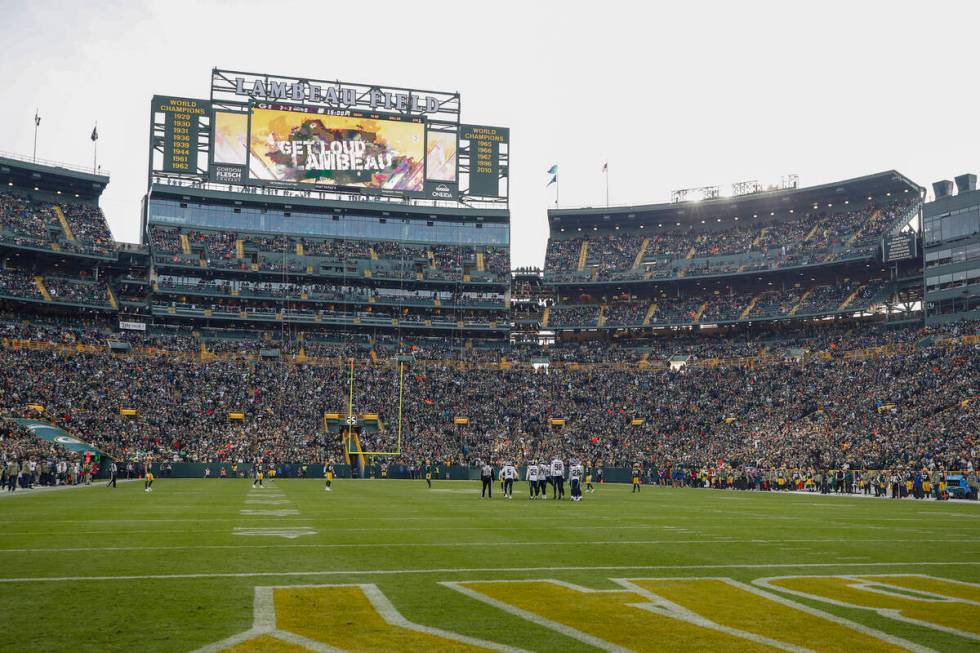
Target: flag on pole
x=553, y=170
x=95, y=133
x=605, y=167
x=37, y=118
x=554, y=180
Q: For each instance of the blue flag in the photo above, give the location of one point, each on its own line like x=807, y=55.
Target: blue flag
x=554, y=180
x=553, y=170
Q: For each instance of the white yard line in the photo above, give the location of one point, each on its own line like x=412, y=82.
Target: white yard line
x=459, y=570
x=497, y=543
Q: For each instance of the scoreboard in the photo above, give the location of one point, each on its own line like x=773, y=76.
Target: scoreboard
x=898, y=247
x=485, y=145
x=182, y=124
x=301, y=134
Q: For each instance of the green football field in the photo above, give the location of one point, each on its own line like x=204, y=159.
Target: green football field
x=391, y=565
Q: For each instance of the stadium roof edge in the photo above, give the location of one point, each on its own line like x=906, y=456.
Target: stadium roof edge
x=50, y=176
x=268, y=200
x=754, y=201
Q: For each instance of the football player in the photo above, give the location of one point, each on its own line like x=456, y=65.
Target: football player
x=575, y=473
x=531, y=476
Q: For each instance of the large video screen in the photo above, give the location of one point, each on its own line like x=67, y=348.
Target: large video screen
x=298, y=145
x=440, y=156
x=230, y=137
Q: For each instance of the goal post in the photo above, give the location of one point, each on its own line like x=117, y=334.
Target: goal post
x=352, y=444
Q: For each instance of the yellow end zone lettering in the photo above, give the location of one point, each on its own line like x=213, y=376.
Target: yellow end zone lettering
x=339, y=618
x=937, y=603
x=688, y=613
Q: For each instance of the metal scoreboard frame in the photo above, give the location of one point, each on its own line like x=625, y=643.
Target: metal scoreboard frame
x=482, y=163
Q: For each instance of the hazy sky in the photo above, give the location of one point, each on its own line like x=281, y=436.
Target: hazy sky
x=673, y=96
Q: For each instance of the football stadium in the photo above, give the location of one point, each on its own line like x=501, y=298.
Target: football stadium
x=316, y=407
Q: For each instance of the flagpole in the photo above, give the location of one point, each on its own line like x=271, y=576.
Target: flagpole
x=37, y=122
x=605, y=169
x=95, y=147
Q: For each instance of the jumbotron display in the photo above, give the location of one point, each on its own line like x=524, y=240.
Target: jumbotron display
x=303, y=145
x=265, y=130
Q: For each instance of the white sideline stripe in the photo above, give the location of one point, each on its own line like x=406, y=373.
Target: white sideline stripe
x=47, y=489
x=438, y=545
x=567, y=631
x=264, y=623
x=459, y=570
x=860, y=582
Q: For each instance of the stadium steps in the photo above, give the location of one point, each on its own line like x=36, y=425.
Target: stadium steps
x=701, y=309
x=813, y=232
x=860, y=230
x=850, y=298
x=651, y=311
x=638, y=261
x=432, y=259
x=374, y=356
x=803, y=298
x=748, y=309
x=64, y=222
x=374, y=254
x=601, y=322
x=691, y=252
x=185, y=245
x=299, y=249
x=546, y=316
x=758, y=239
x=240, y=248
x=479, y=262
x=112, y=298
x=39, y=282
x=583, y=255
x=645, y=359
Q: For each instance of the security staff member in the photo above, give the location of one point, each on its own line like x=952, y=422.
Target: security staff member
x=113, y=472
x=486, y=475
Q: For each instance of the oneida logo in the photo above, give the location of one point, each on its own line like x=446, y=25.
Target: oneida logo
x=442, y=192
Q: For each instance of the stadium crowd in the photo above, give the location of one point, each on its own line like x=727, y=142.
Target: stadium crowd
x=816, y=236
x=916, y=408
x=220, y=250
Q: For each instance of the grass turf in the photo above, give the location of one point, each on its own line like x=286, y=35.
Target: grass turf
x=89, y=538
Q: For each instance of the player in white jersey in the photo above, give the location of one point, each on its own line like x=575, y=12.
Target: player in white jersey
x=509, y=475
x=544, y=475
x=558, y=477
x=575, y=473
x=531, y=476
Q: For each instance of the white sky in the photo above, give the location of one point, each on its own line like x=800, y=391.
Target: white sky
x=673, y=96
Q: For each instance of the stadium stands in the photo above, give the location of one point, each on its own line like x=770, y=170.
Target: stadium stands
x=630, y=336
